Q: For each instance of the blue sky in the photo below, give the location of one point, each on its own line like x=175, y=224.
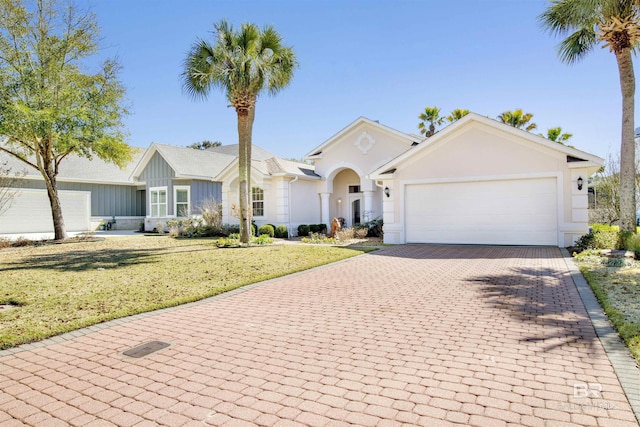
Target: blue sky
x=385, y=60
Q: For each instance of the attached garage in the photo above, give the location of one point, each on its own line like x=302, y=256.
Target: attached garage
x=503, y=212
x=31, y=211
x=482, y=182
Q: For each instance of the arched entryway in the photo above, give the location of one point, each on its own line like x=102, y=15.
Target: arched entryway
x=348, y=194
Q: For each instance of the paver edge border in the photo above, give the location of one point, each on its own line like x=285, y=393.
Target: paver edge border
x=68, y=336
x=624, y=365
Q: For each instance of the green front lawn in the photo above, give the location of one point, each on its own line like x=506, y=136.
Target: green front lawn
x=58, y=288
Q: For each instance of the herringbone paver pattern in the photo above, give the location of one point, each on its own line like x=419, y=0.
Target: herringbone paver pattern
x=413, y=335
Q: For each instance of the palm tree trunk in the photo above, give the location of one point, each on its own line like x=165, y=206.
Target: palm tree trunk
x=628, y=145
x=244, y=178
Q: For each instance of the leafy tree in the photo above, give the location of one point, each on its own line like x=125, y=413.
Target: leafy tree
x=8, y=191
x=457, y=114
x=606, y=185
x=203, y=145
x=518, y=119
x=614, y=24
x=50, y=108
x=556, y=135
x=243, y=64
x=429, y=120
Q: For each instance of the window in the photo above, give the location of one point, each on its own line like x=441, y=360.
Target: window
x=182, y=198
x=354, y=189
x=257, y=201
x=158, y=202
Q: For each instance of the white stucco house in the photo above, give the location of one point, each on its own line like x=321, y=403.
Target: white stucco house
x=477, y=181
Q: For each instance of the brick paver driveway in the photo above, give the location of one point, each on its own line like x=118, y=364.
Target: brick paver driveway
x=412, y=335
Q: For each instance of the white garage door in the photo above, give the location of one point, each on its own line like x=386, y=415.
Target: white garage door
x=30, y=212
x=510, y=212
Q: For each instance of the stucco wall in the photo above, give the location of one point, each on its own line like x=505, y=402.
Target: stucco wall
x=363, y=148
x=305, y=205
x=478, y=151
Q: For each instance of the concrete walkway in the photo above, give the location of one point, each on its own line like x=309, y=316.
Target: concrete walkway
x=410, y=335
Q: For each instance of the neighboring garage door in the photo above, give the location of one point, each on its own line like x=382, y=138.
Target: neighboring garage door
x=30, y=212
x=506, y=212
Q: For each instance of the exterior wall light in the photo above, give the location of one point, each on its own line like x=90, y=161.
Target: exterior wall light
x=387, y=192
x=580, y=181
x=339, y=200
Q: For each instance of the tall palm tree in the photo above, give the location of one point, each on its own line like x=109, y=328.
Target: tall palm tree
x=243, y=64
x=518, y=119
x=429, y=120
x=614, y=24
x=457, y=114
x=556, y=135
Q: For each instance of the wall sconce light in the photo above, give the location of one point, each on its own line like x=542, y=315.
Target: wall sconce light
x=580, y=181
x=339, y=200
x=387, y=192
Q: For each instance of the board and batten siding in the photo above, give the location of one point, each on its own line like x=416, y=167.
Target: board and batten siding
x=158, y=173
x=106, y=199
x=203, y=190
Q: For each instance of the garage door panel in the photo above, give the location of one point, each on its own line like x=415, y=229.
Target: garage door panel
x=30, y=212
x=487, y=212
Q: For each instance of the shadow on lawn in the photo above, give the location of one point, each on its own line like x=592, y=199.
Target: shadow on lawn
x=544, y=297
x=91, y=260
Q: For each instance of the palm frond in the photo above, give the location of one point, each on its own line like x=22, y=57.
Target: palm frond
x=577, y=45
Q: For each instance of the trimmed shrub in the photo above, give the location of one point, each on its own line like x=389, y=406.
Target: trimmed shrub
x=267, y=229
x=303, y=230
x=281, y=232
x=318, y=228
x=633, y=245
x=606, y=239
x=603, y=227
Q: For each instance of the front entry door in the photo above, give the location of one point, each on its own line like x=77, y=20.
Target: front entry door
x=355, y=212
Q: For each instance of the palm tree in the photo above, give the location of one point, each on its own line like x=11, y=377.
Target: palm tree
x=556, y=135
x=518, y=119
x=429, y=120
x=614, y=23
x=243, y=64
x=457, y=114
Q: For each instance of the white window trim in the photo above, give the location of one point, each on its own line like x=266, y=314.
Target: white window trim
x=175, y=198
x=151, y=190
x=264, y=205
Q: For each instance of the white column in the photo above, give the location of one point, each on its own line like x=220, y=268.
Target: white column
x=368, y=206
x=282, y=208
x=324, y=204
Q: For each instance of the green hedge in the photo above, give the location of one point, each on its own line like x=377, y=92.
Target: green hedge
x=267, y=229
x=281, y=232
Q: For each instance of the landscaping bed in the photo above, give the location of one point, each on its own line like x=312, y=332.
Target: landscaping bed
x=614, y=276
x=59, y=288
